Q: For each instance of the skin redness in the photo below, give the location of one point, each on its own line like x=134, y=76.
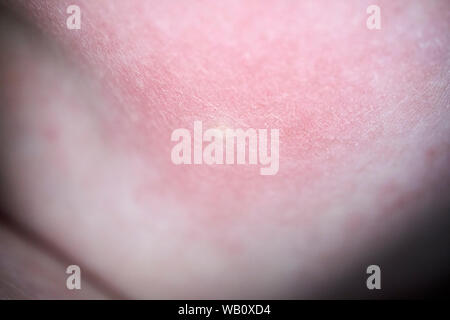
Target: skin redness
x=219, y=149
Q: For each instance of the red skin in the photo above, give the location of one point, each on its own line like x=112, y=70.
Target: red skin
x=363, y=118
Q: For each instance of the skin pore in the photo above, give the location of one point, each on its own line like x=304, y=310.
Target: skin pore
x=87, y=117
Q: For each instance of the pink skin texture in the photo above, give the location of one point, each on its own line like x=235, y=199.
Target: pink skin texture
x=87, y=117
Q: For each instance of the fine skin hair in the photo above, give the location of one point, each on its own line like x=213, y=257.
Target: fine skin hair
x=86, y=121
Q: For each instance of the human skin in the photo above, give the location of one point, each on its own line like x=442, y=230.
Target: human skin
x=87, y=117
